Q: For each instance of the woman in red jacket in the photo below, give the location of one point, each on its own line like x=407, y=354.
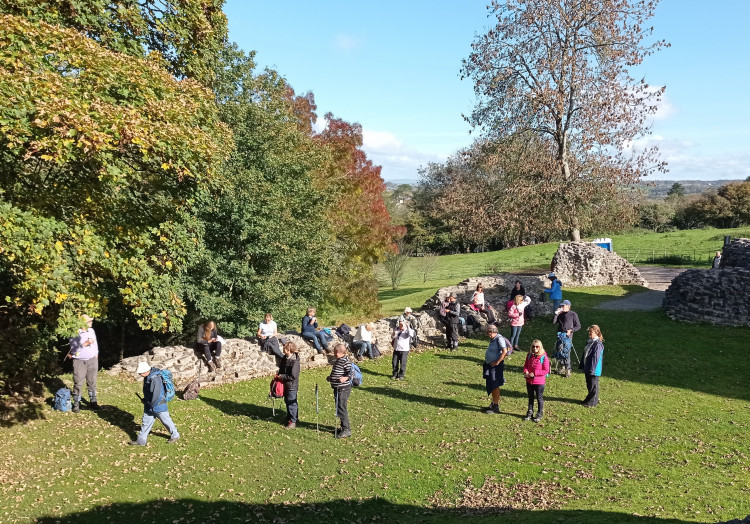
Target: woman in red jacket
x=535, y=371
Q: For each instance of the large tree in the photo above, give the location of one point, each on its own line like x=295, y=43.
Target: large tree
x=561, y=69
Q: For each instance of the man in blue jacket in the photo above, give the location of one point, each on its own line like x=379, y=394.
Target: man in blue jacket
x=154, y=405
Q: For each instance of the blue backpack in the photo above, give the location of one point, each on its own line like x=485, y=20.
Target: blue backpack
x=356, y=375
x=166, y=378
x=62, y=400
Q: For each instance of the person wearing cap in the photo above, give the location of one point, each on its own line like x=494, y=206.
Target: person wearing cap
x=84, y=351
x=566, y=320
x=494, y=368
x=453, y=315
x=413, y=323
x=555, y=291
x=154, y=405
x=717, y=261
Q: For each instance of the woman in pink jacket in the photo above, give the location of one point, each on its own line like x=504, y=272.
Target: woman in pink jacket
x=535, y=371
x=517, y=320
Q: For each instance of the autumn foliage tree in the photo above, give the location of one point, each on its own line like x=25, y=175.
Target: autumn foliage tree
x=560, y=69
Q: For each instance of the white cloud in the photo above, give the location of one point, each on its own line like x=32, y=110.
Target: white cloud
x=665, y=108
x=380, y=140
x=399, y=161
x=320, y=124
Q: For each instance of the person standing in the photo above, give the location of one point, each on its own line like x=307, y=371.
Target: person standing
x=209, y=343
x=268, y=332
x=517, y=314
x=555, y=291
x=84, y=351
x=591, y=364
x=535, y=371
x=717, y=261
x=494, y=367
x=517, y=290
x=453, y=315
x=289, y=375
x=341, y=382
x=154, y=405
x=401, y=342
x=566, y=320
x=412, y=322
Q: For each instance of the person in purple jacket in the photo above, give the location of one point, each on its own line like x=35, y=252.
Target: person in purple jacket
x=84, y=350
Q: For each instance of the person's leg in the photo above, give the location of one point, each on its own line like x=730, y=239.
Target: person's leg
x=368, y=349
x=79, y=375
x=402, y=358
x=496, y=399
x=323, y=339
x=530, y=394
x=539, y=390
x=146, y=424
x=341, y=409
x=394, y=365
x=449, y=335
x=167, y=421
x=589, y=387
x=358, y=348
x=273, y=346
x=92, y=370
x=290, y=399
x=595, y=390
x=515, y=331
x=206, y=350
x=310, y=337
x=454, y=336
x=555, y=304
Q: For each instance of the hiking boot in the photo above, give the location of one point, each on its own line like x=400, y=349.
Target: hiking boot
x=211, y=367
x=95, y=405
x=493, y=409
x=529, y=414
x=217, y=361
x=173, y=440
x=290, y=425
x=394, y=377
x=538, y=418
x=401, y=378
x=567, y=373
x=344, y=433
x=135, y=443
x=76, y=406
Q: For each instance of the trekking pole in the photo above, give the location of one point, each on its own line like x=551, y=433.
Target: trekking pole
x=573, y=348
x=317, y=410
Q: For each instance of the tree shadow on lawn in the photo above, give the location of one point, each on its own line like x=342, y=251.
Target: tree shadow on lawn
x=189, y=510
x=455, y=356
x=253, y=411
x=117, y=417
x=367, y=371
x=432, y=401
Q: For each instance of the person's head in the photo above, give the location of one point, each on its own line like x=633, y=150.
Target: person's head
x=551, y=276
x=452, y=297
x=268, y=317
x=339, y=350
x=401, y=325
x=88, y=319
x=518, y=299
x=369, y=326
x=480, y=287
x=290, y=348
x=210, y=326
x=407, y=311
x=518, y=284
x=491, y=330
x=311, y=312
x=536, y=347
x=594, y=331
x=718, y=253
x=566, y=305
x=143, y=369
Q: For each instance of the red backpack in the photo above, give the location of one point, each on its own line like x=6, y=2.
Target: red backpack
x=277, y=388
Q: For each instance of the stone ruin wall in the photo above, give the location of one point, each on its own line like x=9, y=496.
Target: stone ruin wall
x=717, y=296
x=583, y=264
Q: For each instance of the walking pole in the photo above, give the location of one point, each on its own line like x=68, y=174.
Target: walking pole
x=317, y=410
x=573, y=348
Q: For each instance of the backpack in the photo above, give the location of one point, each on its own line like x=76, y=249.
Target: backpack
x=191, y=390
x=356, y=375
x=166, y=379
x=528, y=313
x=62, y=400
x=375, y=351
x=562, y=346
x=508, y=345
x=343, y=330
x=277, y=388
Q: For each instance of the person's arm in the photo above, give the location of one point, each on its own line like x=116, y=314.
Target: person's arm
x=554, y=318
x=201, y=335
x=503, y=354
x=545, y=365
x=526, y=301
x=576, y=323
x=155, y=392
x=259, y=334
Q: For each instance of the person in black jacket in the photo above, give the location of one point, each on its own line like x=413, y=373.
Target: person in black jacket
x=289, y=375
x=453, y=314
x=566, y=320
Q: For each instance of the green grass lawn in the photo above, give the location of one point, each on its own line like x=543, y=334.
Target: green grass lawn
x=668, y=443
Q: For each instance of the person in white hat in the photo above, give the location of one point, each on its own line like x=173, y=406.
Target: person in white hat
x=412, y=322
x=154, y=405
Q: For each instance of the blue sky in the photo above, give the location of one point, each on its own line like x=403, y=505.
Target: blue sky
x=394, y=68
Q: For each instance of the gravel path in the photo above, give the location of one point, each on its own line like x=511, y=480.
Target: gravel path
x=658, y=279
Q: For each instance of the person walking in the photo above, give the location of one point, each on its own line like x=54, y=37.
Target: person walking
x=591, y=364
x=517, y=315
x=401, y=342
x=535, y=371
x=494, y=367
x=154, y=405
x=555, y=291
x=341, y=382
x=84, y=351
x=289, y=375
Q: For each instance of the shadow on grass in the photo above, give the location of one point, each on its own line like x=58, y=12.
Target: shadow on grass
x=117, y=417
x=423, y=399
x=188, y=510
x=458, y=356
x=253, y=411
x=367, y=371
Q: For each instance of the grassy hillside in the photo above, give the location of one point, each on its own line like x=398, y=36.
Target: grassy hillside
x=668, y=443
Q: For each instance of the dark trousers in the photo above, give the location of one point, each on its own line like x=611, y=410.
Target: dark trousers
x=209, y=349
x=536, y=391
x=342, y=398
x=451, y=334
x=362, y=347
x=399, y=363
x=592, y=384
x=271, y=345
x=290, y=399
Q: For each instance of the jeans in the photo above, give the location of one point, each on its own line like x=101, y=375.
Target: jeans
x=210, y=350
x=536, y=390
x=271, y=345
x=399, y=363
x=451, y=334
x=342, y=398
x=148, y=423
x=318, y=338
x=515, y=333
x=290, y=399
x=556, y=303
x=592, y=384
x=85, y=370
x=362, y=347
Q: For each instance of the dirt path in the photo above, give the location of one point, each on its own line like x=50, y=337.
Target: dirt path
x=658, y=279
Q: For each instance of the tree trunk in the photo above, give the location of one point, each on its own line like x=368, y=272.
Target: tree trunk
x=575, y=232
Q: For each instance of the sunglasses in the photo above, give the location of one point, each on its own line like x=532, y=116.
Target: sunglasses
x=536, y=346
